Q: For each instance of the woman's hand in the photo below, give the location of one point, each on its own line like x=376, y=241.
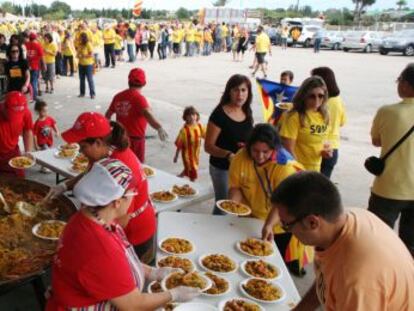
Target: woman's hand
x=327, y=153
x=267, y=233
x=183, y=293
x=158, y=274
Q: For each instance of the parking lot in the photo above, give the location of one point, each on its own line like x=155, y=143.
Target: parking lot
x=367, y=81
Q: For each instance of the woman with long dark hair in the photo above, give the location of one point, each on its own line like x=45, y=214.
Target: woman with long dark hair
x=227, y=130
x=305, y=128
x=337, y=117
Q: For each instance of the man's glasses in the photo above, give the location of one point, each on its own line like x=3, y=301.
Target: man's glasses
x=14, y=51
x=288, y=226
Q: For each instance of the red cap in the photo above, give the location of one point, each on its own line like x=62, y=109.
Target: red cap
x=137, y=77
x=88, y=125
x=15, y=101
x=32, y=36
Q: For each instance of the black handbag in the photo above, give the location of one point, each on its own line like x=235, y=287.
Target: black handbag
x=376, y=165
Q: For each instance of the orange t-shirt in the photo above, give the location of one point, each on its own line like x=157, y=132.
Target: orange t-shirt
x=367, y=268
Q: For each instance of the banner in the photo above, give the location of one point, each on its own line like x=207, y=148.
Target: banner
x=136, y=11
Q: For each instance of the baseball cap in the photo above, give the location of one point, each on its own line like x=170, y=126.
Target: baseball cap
x=137, y=77
x=32, y=36
x=15, y=101
x=87, y=125
x=107, y=181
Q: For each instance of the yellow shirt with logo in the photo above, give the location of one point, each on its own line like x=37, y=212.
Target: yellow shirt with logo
x=68, y=48
x=242, y=175
x=97, y=40
x=309, y=137
x=50, y=51
x=262, y=43
x=109, y=36
x=176, y=38
x=190, y=35
x=337, y=119
x=390, y=124
x=85, y=55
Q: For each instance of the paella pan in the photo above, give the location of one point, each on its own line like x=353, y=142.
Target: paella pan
x=22, y=254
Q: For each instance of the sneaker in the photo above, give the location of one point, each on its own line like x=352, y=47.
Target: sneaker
x=81, y=95
x=92, y=96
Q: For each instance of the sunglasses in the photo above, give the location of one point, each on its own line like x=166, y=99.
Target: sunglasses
x=316, y=96
x=14, y=51
x=288, y=226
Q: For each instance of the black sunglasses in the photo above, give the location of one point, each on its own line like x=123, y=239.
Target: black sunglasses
x=288, y=226
x=15, y=51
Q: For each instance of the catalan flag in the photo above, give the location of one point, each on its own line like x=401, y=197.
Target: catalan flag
x=136, y=11
x=272, y=93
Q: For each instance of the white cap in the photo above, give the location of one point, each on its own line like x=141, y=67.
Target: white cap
x=106, y=182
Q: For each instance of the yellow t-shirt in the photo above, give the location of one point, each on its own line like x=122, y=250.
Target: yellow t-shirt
x=199, y=36
x=242, y=175
x=190, y=35
x=176, y=38
x=337, y=119
x=309, y=137
x=97, y=39
x=390, y=124
x=224, y=31
x=85, y=55
x=262, y=43
x=118, y=42
x=109, y=36
x=367, y=268
x=50, y=51
x=208, y=36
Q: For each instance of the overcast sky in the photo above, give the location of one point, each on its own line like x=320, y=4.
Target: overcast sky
x=196, y=4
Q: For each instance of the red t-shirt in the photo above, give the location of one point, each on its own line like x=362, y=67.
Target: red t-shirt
x=12, y=127
x=34, y=54
x=90, y=266
x=141, y=228
x=128, y=106
x=43, y=130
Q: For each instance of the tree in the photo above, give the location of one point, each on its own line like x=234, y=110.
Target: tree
x=401, y=4
x=57, y=6
x=9, y=7
x=360, y=6
x=220, y=2
x=183, y=13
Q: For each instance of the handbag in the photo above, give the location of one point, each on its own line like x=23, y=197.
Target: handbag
x=376, y=165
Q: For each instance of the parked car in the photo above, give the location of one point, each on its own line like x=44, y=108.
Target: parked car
x=333, y=40
x=274, y=36
x=367, y=41
x=401, y=41
x=252, y=36
x=307, y=34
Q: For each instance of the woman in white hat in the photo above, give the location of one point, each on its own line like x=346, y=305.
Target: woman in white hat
x=95, y=267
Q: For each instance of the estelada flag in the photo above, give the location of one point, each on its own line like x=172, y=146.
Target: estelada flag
x=136, y=11
x=272, y=93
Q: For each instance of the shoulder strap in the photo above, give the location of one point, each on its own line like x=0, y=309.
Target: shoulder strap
x=402, y=139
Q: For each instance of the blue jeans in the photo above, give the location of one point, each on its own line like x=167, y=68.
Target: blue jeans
x=86, y=72
x=131, y=54
x=189, y=49
x=34, y=80
x=220, y=182
x=206, y=49
x=317, y=45
x=328, y=165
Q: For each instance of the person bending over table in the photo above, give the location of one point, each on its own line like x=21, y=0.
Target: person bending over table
x=95, y=266
x=305, y=128
x=254, y=173
x=98, y=138
x=360, y=263
x=15, y=120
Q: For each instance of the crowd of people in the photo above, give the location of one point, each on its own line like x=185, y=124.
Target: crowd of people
x=280, y=169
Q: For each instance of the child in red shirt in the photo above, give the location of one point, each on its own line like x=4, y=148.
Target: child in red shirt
x=188, y=142
x=44, y=128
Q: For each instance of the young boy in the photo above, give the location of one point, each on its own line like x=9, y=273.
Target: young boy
x=44, y=128
x=188, y=142
x=286, y=79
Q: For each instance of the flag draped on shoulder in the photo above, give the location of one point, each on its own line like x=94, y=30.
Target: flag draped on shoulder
x=272, y=93
x=136, y=11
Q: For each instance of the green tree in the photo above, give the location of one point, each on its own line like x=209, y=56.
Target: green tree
x=360, y=6
x=57, y=6
x=9, y=7
x=183, y=13
x=54, y=15
x=401, y=4
x=220, y=2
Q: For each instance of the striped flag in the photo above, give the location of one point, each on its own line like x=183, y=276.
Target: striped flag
x=272, y=93
x=136, y=11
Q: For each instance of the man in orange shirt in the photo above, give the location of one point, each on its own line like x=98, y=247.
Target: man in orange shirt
x=360, y=263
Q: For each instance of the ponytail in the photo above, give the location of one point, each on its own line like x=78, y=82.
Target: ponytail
x=118, y=137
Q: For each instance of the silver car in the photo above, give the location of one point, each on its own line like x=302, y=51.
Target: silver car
x=333, y=40
x=401, y=41
x=367, y=41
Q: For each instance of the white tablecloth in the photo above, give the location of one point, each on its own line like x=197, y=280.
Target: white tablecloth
x=219, y=234
x=161, y=181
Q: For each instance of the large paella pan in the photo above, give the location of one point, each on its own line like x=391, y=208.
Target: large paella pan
x=22, y=254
